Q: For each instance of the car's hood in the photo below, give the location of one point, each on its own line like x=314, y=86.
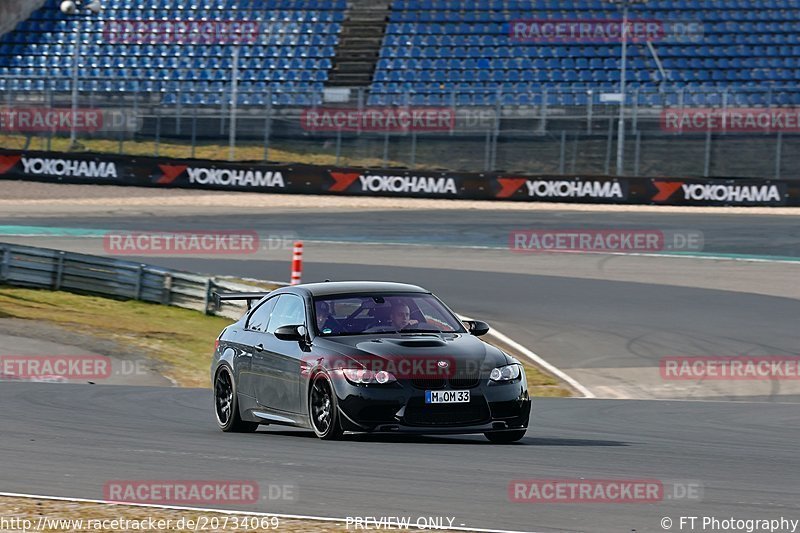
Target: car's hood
x=456, y=348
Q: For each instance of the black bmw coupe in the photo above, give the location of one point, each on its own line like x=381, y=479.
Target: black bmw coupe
x=364, y=357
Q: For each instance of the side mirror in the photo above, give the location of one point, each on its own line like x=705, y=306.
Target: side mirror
x=477, y=327
x=291, y=333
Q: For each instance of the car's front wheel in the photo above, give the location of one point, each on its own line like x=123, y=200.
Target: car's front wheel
x=505, y=437
x=323, y=410
x=226, y=404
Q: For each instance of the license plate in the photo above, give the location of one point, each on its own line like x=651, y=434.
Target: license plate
x=446, y=396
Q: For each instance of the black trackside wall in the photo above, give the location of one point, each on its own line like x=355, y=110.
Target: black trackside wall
x=307, y=179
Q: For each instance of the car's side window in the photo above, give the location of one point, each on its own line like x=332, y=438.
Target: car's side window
x=289, y=311
x=259, y=318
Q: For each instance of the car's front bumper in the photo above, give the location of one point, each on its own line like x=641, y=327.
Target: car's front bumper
x=401, y=408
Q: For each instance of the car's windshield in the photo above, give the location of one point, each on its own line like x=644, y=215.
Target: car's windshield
x=357, y=314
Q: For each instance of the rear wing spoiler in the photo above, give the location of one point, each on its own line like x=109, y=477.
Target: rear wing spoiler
x=250, y=297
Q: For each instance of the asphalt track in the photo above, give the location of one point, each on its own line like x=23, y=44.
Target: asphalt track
x=607, y=321
x=611, y=325
x=70, y=440
x=723, y=233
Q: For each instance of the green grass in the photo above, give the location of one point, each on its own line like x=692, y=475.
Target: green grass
x=543, y=384
x=181, y=339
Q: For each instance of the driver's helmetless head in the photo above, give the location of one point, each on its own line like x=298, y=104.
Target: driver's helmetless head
x=400, y=316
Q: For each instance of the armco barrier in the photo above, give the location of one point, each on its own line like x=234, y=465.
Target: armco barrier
x=27, y=266
x=308, y=179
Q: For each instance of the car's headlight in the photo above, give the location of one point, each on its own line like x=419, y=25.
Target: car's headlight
x=505, y=373
x=365, y=376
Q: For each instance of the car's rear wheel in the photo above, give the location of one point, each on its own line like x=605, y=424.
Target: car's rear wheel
x=323, y=410
x=226, y=405
x=505, y=437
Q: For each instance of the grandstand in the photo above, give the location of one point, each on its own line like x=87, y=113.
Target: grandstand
x=518, y=98
x=408, y=52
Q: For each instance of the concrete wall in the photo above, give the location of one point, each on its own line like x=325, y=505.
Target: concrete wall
x=14, y=11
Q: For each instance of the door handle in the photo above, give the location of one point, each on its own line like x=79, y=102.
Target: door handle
x=259, y=347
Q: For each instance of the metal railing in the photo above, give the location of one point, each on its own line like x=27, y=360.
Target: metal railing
x=27, y=266
x=546, y=131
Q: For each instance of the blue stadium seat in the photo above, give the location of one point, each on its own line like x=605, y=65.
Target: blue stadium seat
x=431, y=47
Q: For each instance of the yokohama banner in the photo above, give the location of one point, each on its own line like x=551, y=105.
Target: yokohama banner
x=308, y=179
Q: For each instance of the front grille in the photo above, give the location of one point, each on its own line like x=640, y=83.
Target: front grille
x=429, y=383
x=418, y=413
x=465, y=379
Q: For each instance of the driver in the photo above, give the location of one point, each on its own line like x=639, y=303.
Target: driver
x=400, y=317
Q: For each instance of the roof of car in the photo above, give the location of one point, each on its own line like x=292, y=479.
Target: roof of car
x=341, y=287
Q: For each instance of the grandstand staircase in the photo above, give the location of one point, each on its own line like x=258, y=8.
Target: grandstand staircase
x=14, y=11
x=359, y=43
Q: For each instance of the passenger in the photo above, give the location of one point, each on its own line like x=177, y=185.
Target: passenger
x=326, y=322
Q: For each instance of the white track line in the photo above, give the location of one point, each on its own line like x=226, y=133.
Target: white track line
x=248, y=513
x=538, y=360
x=544, y=364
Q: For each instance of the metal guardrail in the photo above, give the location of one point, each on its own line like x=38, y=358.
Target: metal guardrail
x=28, y=266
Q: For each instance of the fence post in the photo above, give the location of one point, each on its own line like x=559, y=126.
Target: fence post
x=413, y=148
x=194, y=130
x=386, y=149
x=707, y=163
x=137, y=295
x=562, y=153
x=609, y=138
x=5, y=266
x=50, y=131
x=778, y=155
x=589, y=111
x=207, y=297
x=724, y=111
x=498, y=112
x=487, y=151
x=136, y=102
x=158, y=129
x=179, y=115
x=268, y=125
x=638, y=153
x=234, y=105
x=543, y=121
x=338, y=145
x=59, y=272
x=574, y=160
x=166, y=293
